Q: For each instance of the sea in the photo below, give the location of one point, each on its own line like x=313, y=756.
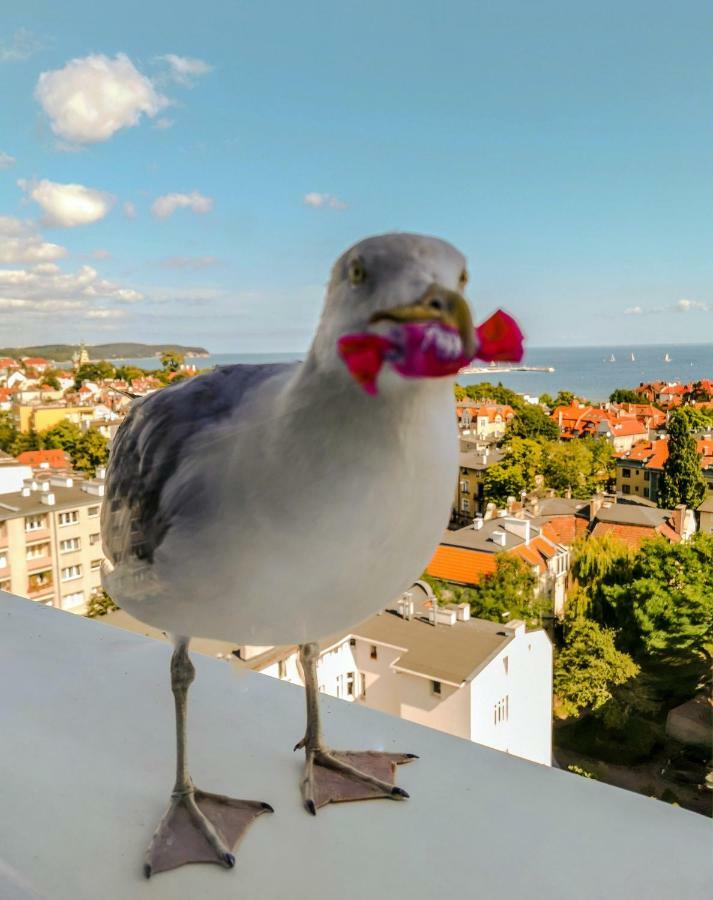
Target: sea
x=590, y=372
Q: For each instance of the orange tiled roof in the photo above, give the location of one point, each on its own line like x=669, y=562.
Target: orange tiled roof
x=459, y=565
x=634, y=535
x=564, y=529
x=55, y=458
x=653, y=454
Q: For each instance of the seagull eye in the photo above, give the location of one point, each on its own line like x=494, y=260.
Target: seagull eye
x=463, y=280
x=356, y=271
x=436, y=303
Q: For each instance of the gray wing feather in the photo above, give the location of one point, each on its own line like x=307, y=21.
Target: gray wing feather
x=148, y=448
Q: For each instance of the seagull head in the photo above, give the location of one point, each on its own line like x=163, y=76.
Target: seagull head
x=395, y=280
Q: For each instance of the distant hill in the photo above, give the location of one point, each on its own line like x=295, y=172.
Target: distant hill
x=63, y=352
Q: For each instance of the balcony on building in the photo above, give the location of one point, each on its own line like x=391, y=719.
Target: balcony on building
x=87, y=752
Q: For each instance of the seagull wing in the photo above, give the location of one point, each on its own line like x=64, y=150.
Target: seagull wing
x=148, y=449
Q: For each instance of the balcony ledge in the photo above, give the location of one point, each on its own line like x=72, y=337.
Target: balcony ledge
x=86, y=748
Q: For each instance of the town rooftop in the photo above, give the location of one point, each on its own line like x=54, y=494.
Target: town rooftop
x=87, y=751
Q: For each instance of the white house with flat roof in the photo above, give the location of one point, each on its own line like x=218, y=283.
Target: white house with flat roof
x=479, y=680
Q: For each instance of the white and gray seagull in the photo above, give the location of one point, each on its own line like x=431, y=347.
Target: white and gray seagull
x=198, y=495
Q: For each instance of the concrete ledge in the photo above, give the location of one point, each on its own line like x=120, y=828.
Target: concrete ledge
x=86, y=765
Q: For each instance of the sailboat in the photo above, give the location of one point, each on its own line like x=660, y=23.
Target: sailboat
x=612, y=358
x=667, y=358
x=633, y=358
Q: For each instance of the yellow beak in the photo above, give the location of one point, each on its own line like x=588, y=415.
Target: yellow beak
x=437, y=304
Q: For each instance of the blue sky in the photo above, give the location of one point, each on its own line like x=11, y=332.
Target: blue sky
x=564, y=147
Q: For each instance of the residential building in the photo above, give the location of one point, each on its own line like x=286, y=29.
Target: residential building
x=622, y=433
x=634, y=523
x=478, y=680
x=473, y=462
x=485, y=422
x=50, y=543
x=39, y=416
x=466, y=555
x=639, y=470
x=705, y=515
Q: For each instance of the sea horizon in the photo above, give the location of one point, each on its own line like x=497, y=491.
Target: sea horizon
x=590, y=372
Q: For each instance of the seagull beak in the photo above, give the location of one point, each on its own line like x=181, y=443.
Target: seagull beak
x=437, y=304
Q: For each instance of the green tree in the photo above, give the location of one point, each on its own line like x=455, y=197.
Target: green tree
x=597, y=562
x=565, y=398
x=129, y=373
x=28, y=440
x=171, y=361
x=51, y=378
x=91, y=451
x=486, y=392
x=665, y=604
x=568, y=467
x=65, y=435
x=99, y=605
x=93, y=371
x=603, y=468
x=546, y=400
x=624, y=395
x=532, y=422
x=699, y=418
x=682, y=480
x=587, y=667
x=8, y=433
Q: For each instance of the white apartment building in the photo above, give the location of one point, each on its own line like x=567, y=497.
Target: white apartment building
x=472, y=678
x=50, y=542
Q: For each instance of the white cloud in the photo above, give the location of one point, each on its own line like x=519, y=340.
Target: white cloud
x=106, y=313
x=328, y=201
x=633, y=311
x=184, y=69
x=167, y=205
x=68, y=205
x=20, y=244
x=163, y=123
x=129, y=210
x=22, y=45
x=6, y=160
x=189, y=262
x=689, y=305
x=93, y=97
x=101, y=254
x=45, y=289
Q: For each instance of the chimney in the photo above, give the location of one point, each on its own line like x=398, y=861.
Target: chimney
x=477, y=523
x=47, y=498
x=499, y=538
x=490, y=511
x=678, y=516
x=595, y=504
x=509, y=505
x=516, y=626
x=519, y=527
x=463, y=612
x=404, y=606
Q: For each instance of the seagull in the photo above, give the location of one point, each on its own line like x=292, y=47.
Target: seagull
x=282, y=503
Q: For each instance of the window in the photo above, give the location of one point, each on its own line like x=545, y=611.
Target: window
x=647, y=475
x=362, y=678
x=373, y=652
x=93, y=511
x=465, y=504
x=71, y=517
x=506, y=664
x=39, y=581
x=69, y=545
x=36, y=551
x=71, y=601
x=5, y=584
x=3, y=558
x=94, y=538
x=436, y=687
x=352, y=642
x=501, y=710
x=71, y=572
x=625, y=489
x=464, y=487
x=350, y=684
x=35, y=523
x=282, y=669
x=96, y=564
x=626, y=473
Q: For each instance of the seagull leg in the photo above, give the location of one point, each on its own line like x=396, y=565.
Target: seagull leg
x=334, y=776
x=197, y=827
